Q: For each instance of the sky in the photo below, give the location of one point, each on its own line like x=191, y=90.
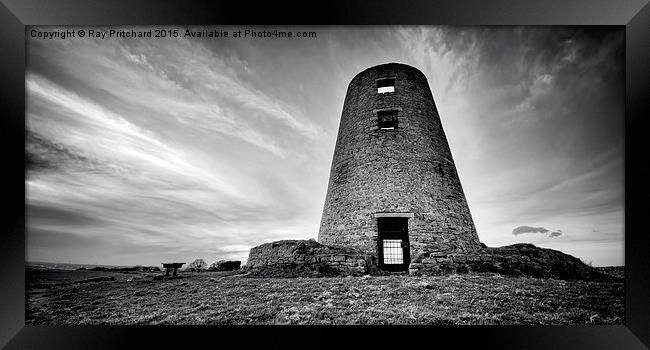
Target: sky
x=144, y=150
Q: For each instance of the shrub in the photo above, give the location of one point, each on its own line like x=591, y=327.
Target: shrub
x=225, y=265
x=197, y=265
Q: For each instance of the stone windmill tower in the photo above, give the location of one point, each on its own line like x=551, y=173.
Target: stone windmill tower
x=393, y=189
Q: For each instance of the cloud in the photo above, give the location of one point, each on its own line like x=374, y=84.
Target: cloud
x=49, y=215
x=45, y=155
x=201, y=148
x=84, y=130
x=184, y=85
x=87, y=162
x=529, y=229
x=534, y=117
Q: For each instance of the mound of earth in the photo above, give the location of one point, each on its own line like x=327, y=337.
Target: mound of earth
x=517, y=259
x=618, y=271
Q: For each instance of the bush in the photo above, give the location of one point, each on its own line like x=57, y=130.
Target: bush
x=197, y=265
x=224, y=265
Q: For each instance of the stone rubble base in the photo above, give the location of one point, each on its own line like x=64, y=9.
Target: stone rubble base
x=515, y=260
x=308, y=258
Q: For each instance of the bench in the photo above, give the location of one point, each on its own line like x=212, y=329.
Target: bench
x=170, y=266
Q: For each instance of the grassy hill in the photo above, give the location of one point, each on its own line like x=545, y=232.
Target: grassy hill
x=83, y=297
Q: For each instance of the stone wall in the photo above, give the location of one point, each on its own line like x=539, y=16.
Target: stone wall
x=308, y=258
x=308, y=255
x=517, y=259
x=406, y=170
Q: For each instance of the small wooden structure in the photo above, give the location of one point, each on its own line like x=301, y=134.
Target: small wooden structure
x=174, y=266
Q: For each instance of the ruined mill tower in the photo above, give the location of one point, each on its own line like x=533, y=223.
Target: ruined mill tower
x=393, y=188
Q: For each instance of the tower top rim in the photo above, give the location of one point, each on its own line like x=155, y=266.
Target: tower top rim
x=386, y=65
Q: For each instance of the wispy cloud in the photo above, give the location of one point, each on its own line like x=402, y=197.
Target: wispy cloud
x=201, y=148
x=111, y=138
x=529, y=229
x=184, y=83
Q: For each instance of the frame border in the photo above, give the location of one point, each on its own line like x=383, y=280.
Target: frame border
x=16, y=14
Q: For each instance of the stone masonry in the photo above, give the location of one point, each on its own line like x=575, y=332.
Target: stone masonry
x=518, y=260
x=409, y=169
x=308, y=258
x=310, y=254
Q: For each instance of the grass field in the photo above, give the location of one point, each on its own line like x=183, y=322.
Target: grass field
x=87, y=297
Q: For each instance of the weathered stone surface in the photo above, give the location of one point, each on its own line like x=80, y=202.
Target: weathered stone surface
x=516, y=259
x=406, y=170
x=459, y=258
x=307, y=258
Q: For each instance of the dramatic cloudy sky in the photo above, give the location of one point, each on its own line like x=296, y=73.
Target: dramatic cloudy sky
x=149, y=150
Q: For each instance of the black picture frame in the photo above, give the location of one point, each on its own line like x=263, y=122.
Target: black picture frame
x=16, y=14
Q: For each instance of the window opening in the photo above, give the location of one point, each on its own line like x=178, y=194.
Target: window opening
x=385, y=85
x=387, y=120
x=393, y=251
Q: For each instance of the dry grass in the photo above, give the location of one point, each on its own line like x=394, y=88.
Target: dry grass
x=77, y=297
